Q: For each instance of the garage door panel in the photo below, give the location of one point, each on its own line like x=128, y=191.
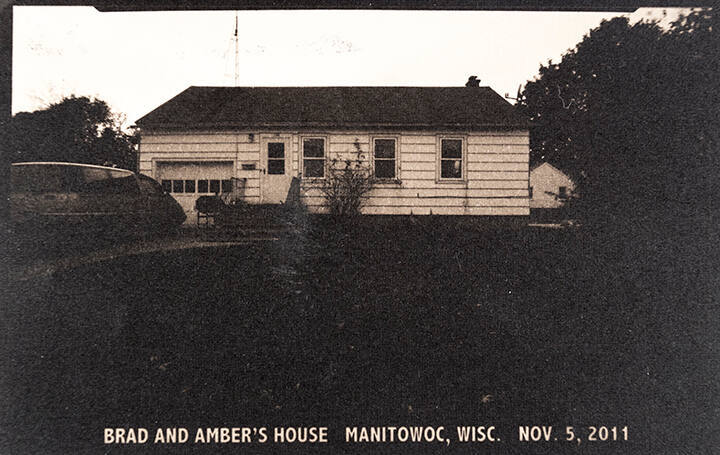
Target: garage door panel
x=198, y=170
x=186, y=181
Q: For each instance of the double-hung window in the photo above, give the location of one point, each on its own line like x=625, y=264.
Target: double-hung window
x=452, y=159
x=313, y=153
x=385, y=158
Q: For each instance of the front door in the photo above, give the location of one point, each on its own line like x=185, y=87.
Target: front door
x=276, y=170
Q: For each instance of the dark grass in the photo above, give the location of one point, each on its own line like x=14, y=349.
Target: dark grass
x=401, y=323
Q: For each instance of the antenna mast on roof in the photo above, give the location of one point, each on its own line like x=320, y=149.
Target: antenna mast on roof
x=237, y=59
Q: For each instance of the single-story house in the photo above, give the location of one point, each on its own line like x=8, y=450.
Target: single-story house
x=549, y=187
x=433, y=150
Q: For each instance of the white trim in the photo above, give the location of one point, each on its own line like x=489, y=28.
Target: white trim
x=395, y=138
x=463, y=157
x=301, y=155
x=263, y=140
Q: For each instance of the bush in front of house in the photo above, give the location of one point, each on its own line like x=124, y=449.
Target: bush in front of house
x=347, y=183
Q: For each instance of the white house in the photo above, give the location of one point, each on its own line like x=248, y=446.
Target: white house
x=433, y=150
x=549, y=187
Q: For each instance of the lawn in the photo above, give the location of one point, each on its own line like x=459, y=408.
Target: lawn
x=375, y=324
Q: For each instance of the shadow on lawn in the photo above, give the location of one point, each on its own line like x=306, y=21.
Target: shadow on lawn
x=412, y=323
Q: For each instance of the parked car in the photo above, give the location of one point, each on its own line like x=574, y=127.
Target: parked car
x=45, y=194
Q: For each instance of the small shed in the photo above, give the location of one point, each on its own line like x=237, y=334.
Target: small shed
x=550, y=188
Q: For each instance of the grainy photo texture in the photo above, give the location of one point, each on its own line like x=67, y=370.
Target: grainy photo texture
x=361, y=232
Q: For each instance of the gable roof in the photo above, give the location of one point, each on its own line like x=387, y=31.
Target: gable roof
x=553, y=168
x=343, y=107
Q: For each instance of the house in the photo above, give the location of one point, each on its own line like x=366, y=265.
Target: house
x=433, y=150
x=549, y=187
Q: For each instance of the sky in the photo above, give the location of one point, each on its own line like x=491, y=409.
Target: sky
x=136, y=61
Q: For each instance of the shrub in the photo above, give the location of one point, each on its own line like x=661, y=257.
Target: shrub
x=347, y=183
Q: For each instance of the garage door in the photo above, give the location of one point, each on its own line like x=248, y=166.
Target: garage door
x=187, y=181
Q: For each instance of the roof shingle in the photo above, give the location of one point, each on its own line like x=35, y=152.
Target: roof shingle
x=342, y=107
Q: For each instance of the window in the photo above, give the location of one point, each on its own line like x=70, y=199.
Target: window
x=202, y=186
x=451, y=159
x=105, y=181
x=43, y=178
x=385, y=158
x=562, y=192
x=313, y=157
x=276, y=158
x=531, y=194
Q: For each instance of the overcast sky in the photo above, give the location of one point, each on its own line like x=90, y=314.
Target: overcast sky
x=136, y=61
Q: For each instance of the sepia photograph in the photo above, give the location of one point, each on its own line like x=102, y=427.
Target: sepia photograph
x=359, y=228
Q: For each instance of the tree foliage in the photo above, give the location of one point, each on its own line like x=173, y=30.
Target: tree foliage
x=76, y=129
x=632, y=114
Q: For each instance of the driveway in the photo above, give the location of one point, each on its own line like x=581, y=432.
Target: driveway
x=44, y=260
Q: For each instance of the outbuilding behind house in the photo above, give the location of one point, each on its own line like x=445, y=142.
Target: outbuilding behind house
x=550, y=188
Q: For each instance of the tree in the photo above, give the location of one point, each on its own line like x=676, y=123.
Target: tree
x=632, y=115
x=77, y=129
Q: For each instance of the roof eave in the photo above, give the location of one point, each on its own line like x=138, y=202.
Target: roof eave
x=344, y=125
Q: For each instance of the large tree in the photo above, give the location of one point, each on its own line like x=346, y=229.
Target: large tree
x=76, y=129
x=632, y=114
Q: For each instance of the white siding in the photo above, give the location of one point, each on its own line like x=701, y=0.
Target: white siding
x=546, y=181
x=496, y=168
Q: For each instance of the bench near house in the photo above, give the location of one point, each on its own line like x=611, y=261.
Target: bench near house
x=434, y=150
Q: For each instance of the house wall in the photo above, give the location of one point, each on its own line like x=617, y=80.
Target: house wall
x=496, y=168
x=546, y=181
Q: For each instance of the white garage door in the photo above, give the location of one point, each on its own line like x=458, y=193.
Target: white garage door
x=187, y=181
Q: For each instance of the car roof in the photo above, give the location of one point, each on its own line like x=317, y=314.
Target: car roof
x=61, y=163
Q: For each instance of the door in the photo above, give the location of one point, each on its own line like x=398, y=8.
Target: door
x=276, y=170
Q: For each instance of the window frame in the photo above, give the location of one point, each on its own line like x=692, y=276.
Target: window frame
x=439, y=159
x=196, y=183
x=396, y=177
x=326, y=146
x=285, y=158
x=175, y=183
